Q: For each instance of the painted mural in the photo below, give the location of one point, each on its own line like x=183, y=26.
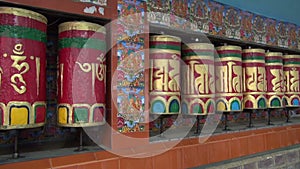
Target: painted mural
x=130, y=70
x=208, y=16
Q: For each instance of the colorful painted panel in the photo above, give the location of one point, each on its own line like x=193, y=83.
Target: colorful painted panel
x=215, y=18
x=130, y=71
x=199, y=15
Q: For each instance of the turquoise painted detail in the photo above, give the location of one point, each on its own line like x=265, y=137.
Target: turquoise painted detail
x=261, y=103
x=275, y=102
x=174, y=106
x=196, y=108
x=158, y=107
x=235, y=105
x=295, y=102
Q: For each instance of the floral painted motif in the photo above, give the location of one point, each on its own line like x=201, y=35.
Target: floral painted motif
x=271, y=38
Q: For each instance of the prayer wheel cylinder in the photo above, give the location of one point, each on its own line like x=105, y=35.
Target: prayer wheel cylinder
x=23, y=36
x=198, y=79
x=82, y=74
x=291, y=71
x=165, y=53
x=228, y=72
x=254, y=77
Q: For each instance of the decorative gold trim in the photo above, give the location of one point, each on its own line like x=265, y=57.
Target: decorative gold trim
x=80, y=124
x=165, y=38
x=254, y=61
x=226, y=59
x=163, y=51
x=269, y=54
x=229, y=47
x=269, y=102
x=34, y=105
x=61, y=79
x=291, y=65
x=186, y=96
x=24, y=13
x=70, y=118
x=198, y=57
x=257, y=50
x=196, y=101
x=38, y=71
x=229, y=94
x=291, y=56
x=254, y=101
x=22, y=126
x=195, y=46
x=227, y=102
x=5, y=116
x=21, y=103
x=164, y=93
x=81, y=105
x=83, y=26
x=275, y=93
x=256, y=93
x=274, y=64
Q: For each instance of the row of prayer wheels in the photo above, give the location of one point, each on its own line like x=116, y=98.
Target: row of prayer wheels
x=82, y=71
x=193, y=79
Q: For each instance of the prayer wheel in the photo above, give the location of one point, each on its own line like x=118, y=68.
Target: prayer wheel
x=228, y=72
x=291, y=71
x=23, y=36
x=275, y=80
x=165, y=53
x=254, y=77
x=198, y=79
x=82, y=74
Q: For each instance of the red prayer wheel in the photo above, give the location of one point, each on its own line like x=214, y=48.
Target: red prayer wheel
x=275, y=80
x=82, y=74
x=23, y=36
x=165, y=53
x=291, y=70
x=254, y=77
x=198, y=79
x=228, y=73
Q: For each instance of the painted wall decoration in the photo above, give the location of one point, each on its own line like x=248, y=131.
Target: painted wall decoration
x=208, y=16
x=130, y=44
x=199, y=15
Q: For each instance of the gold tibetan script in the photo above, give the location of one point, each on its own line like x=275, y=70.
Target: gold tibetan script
x=198, y=78
x=165, y=74
x=277, y=80
x=255, y=78
x=229, y=78
x=292, y=80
